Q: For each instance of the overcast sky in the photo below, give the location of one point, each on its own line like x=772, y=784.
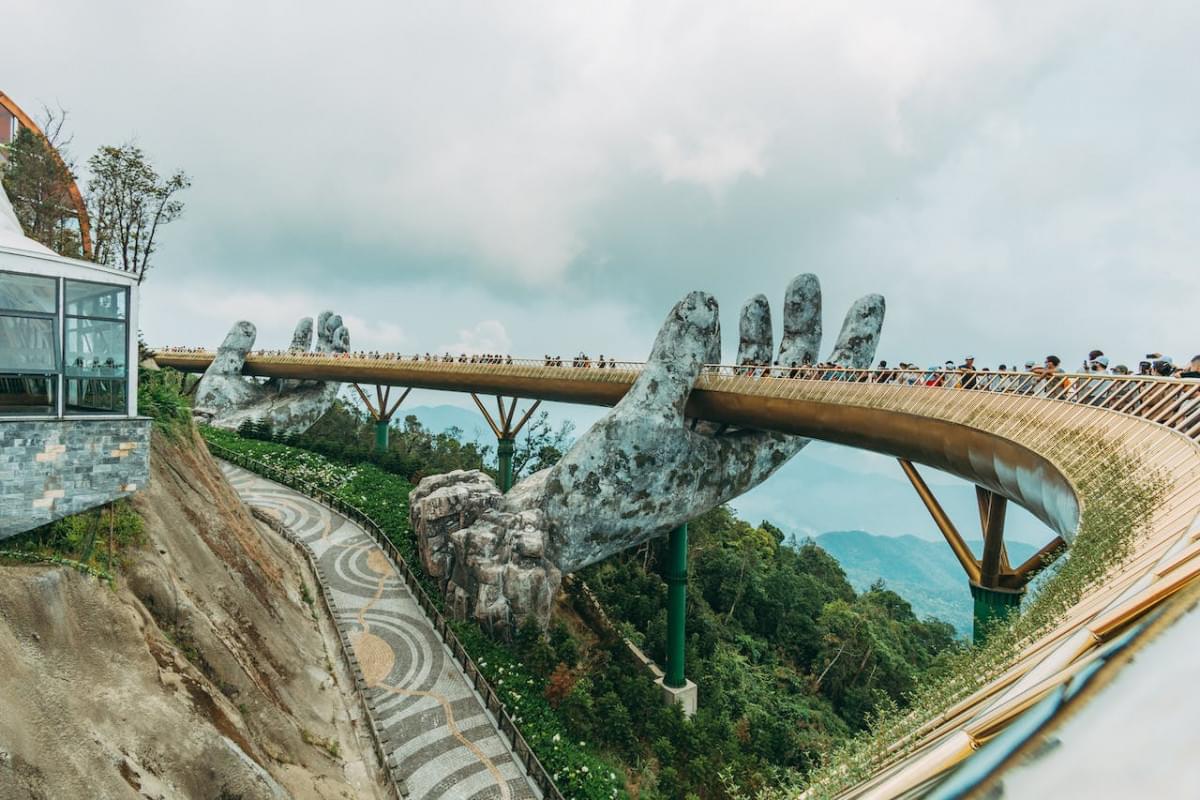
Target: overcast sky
x=1017, y=178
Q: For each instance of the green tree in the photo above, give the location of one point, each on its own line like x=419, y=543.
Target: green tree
x=128, y=201
x=38, y=184
x=541, y=445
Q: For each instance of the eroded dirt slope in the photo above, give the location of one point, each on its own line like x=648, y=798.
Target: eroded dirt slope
x=209, y=672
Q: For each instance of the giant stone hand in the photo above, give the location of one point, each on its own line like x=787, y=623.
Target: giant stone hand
x=637, y=473
x=226, y=399
x=644, y=469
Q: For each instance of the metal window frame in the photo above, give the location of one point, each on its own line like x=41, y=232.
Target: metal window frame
x=20, y=313
x=54, y=317
x=63, y=317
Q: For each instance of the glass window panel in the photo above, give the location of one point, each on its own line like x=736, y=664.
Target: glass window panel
x=28, y=293
x=95, y=396
x=27, y=394
x=95, y=348
x=28, y=344
x=95, y=300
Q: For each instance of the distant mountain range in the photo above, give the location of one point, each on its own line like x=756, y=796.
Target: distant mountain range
x=924, y=573
x=439, y=419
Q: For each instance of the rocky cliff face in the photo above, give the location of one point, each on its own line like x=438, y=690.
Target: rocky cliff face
x=204, y=674
x=490, y=561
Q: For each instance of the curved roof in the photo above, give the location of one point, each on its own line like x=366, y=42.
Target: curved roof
x=16, y=238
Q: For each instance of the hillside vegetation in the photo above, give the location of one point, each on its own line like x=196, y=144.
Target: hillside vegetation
x=790, y=659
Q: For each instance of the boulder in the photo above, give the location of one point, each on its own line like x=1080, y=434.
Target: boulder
x=489, y=560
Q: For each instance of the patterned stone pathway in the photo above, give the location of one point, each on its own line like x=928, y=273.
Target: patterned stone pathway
x=446, y=744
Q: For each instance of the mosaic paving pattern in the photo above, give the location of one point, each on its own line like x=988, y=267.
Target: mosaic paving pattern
x=446, y=745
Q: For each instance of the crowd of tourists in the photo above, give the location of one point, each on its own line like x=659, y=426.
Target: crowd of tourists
x=581, y=361
x=965, y=375
x=1096, y=382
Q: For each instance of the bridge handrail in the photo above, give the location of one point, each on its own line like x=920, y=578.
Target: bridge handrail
x=504, y=721
x=1169, y=401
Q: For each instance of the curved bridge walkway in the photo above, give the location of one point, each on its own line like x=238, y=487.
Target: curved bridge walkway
x=435, y=726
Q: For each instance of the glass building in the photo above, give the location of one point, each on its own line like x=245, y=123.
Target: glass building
x=68, y=342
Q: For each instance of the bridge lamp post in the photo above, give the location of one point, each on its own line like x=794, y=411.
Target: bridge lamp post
x=506, y=434
x=381, y=412
x=996, y=587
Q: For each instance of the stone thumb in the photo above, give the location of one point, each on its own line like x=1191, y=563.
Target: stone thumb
x=688, y=339
x=232, y=353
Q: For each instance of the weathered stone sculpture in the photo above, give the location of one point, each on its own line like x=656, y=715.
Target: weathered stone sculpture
x=226, y=399
x=637, y=473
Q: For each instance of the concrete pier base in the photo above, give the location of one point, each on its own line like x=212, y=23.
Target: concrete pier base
x=686, y=696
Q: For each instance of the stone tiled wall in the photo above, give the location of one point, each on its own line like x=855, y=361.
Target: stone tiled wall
x=53, y=468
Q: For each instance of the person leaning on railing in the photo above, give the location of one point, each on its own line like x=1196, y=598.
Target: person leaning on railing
x=966, y=372
x=1055, y=385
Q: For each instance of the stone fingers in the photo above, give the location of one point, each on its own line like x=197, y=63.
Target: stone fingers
x=754, y=332
x=801, y=321
x=859, y=338
x=341, y=340
x=302, y=336
x=332, y=334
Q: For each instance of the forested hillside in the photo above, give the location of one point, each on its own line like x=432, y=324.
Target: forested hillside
x=924, y=572
x=789, y=659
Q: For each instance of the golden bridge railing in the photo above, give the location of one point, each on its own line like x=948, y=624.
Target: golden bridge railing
x=1172, y=402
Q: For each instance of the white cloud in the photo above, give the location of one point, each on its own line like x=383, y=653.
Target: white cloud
x=495, y=134
x=713, y=163
x=486, y=336
x=382, y=335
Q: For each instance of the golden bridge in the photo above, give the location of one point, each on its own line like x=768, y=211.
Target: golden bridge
x=1079, y=452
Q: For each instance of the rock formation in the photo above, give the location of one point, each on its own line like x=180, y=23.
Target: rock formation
x=487, y=553
x=226, y=399
x=640, y=471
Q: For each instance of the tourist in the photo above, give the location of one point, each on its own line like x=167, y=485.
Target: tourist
x=1096, y=392
x=967, y=369
x=1193, y=370
x=1053, y=386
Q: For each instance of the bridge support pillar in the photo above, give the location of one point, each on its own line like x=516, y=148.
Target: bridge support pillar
x=992, y=606
x=996, y=587
x=381, y=412
x=676, y=688
x=504, y=457
x=506, y=435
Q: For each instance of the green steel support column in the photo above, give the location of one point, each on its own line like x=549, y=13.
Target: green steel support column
x=676, y=606
x=504, y=452
x=991, y=605
x=381, y=435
